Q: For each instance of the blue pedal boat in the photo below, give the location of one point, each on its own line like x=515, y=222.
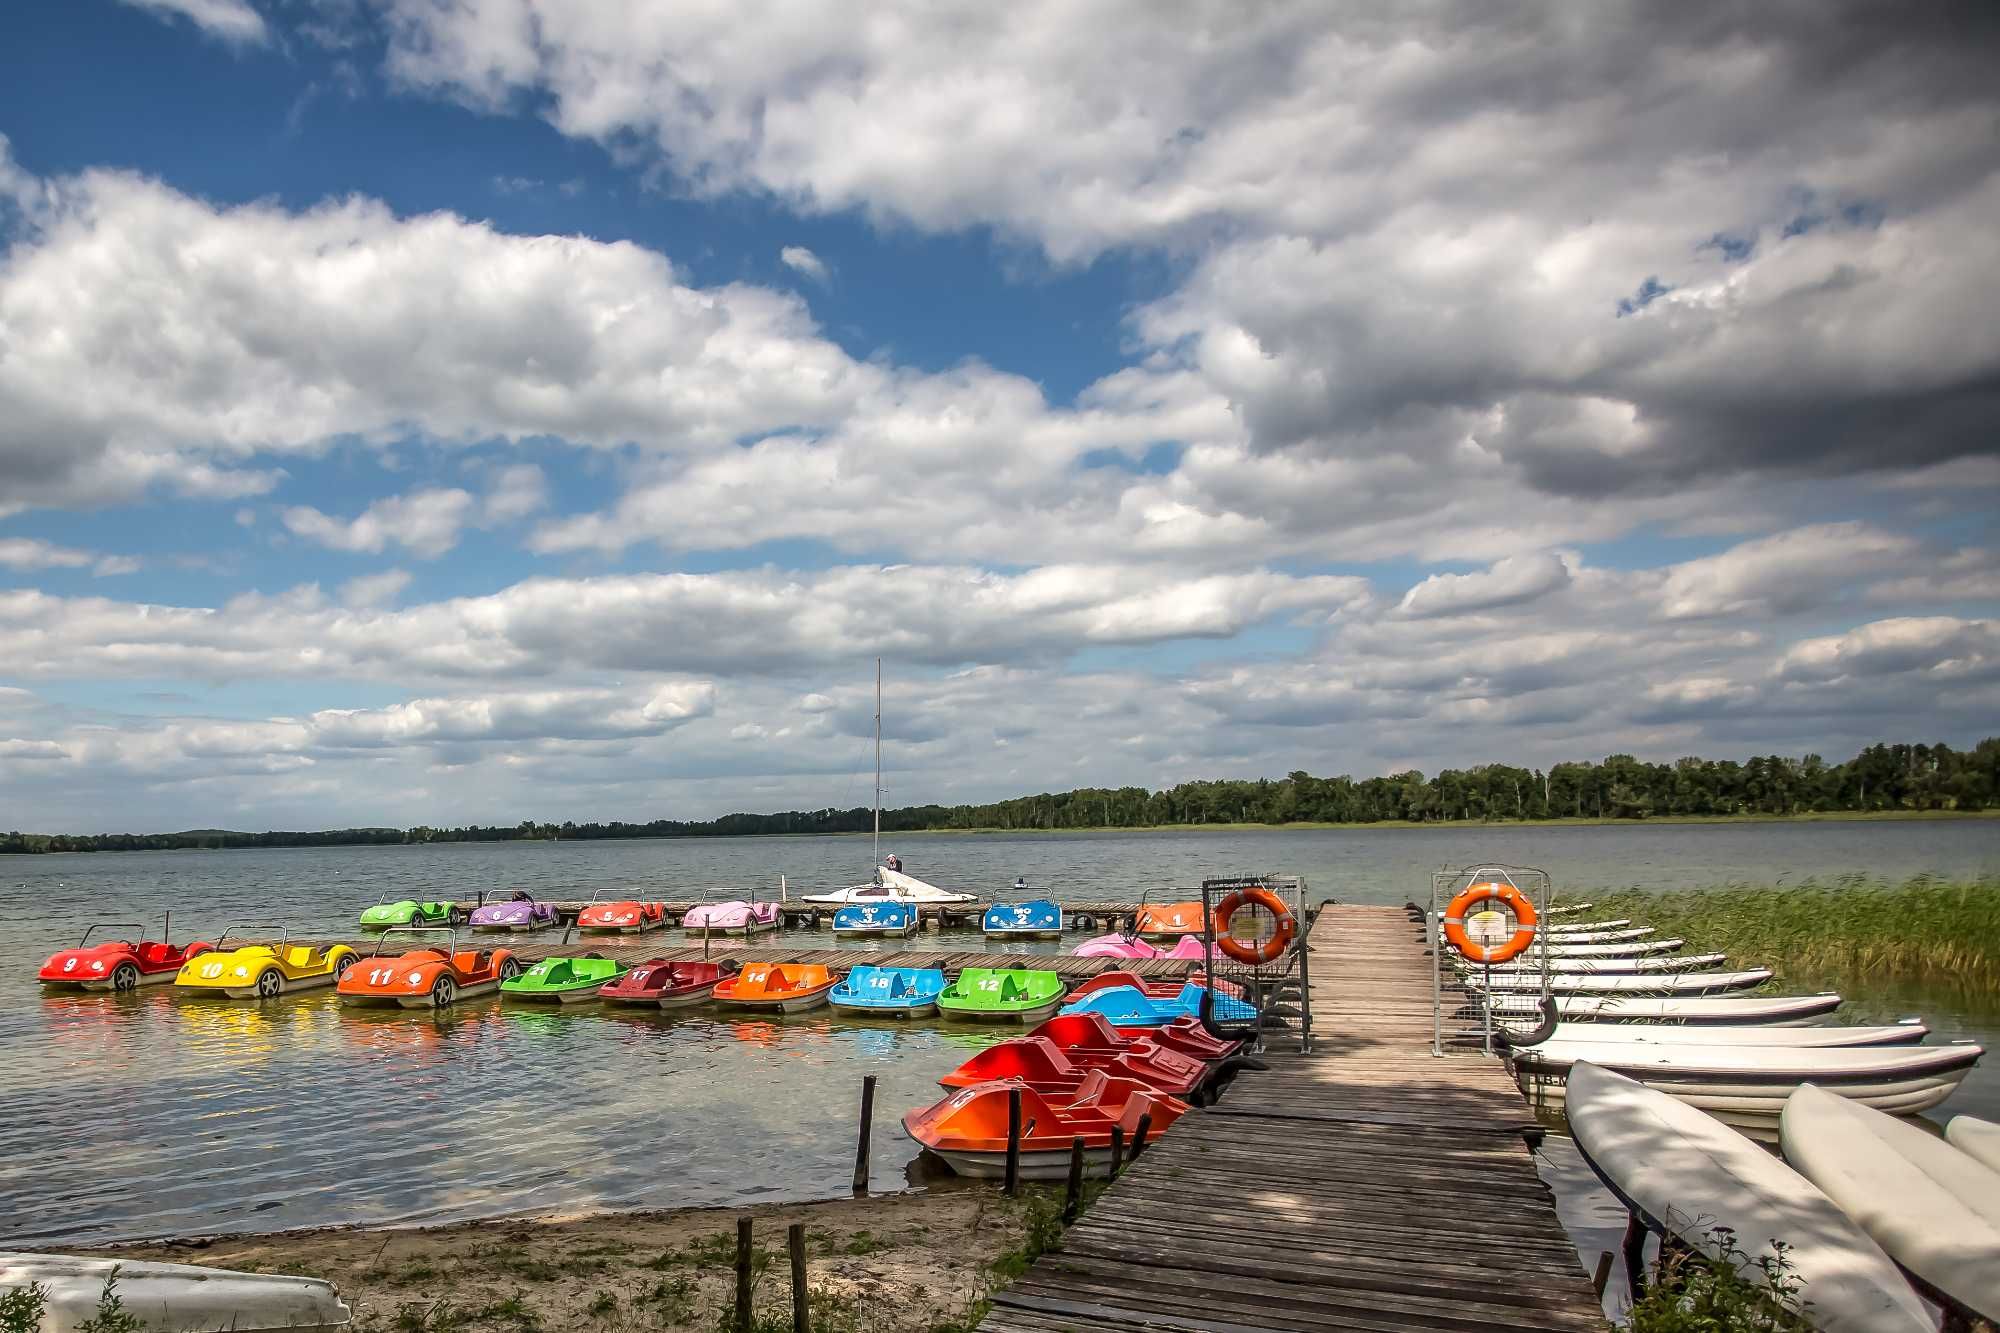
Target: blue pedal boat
x=1130, y=1007
x=1035, y=919
x=871, y=920
x=890, y=992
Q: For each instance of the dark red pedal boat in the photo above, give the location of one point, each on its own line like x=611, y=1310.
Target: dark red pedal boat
x=666, y=985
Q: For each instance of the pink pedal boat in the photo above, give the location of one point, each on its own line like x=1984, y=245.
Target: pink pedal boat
x=731, y=918
x=1131, y=946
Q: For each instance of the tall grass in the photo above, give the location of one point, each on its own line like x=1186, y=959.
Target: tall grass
x=1921, y=929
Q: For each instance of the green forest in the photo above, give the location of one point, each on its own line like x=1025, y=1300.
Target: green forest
x=1882, y=778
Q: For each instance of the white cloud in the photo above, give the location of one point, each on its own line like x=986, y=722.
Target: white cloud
x=515, y=491
x=374, y=590
x=231, y=20
x=32, y=553
x=1510, y=581
x=426, y=523
x=803, y=261
x=1785, y=572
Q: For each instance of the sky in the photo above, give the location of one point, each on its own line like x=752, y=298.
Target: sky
x=432, y=411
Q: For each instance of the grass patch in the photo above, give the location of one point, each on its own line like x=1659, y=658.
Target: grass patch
x=1691, y=1293
x=1921, y=929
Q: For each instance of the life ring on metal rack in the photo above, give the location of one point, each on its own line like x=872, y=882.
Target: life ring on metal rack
x=1516, y=944
x=1269, y=950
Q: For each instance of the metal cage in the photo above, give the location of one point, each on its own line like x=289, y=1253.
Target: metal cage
x=1467, y=987
x=1274, y=997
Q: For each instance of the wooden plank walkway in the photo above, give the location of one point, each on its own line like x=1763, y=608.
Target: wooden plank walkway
x=1367, y=1186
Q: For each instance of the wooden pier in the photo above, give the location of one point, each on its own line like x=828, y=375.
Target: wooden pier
x=1367, y=1186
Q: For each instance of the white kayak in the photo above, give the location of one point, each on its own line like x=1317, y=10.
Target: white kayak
x=1907, y=1033
x=1569, y=909
x=1931, y=1208
x=1684, y=1172
x=1531, y=962
x=1565, y=938
x=1572, y=927
x=1979, y=1139
x=1692, y=1010
x=1746, y=1086
x=1664, y=983
x=1559, y=948
x=892, y=886
x=177, y=1298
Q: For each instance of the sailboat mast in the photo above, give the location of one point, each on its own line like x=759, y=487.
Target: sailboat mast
x=878, y=761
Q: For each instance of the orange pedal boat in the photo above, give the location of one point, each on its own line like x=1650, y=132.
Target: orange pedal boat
x=428, y=977
x=1168, y=921
x=785, y=987
x=968, y=1129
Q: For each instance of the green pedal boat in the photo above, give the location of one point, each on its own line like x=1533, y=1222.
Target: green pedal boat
x=563, y=980
x=410, y=912
x=1002, y=995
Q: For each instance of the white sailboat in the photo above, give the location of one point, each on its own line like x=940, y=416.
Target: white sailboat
x=889, y=885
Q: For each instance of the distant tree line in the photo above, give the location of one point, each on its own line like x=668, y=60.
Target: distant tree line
x=1880, y=778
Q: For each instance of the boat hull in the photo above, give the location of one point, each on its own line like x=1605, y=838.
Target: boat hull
x=1035, y=1015
x=1033, y=1166
x=923, y=1009
x=874, y=932
x=1693, y=1010
x=1050, y=934
x=790, y=1004
x=575, y=995
x=303, y=983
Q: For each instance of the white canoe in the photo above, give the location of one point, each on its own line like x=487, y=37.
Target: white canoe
x=1686, y=1173
x=1571, y=927
x=1693, y=1010
x=1569, y=909
x=1585, y=983
x=1931, y=1208
x=177, y=1298
x=891, y=886
x=1907, y=1033
x=1531, y=962
x=1746, y=1086
x=1979, y=1139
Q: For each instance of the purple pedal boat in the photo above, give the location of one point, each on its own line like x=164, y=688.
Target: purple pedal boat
x=521, y=912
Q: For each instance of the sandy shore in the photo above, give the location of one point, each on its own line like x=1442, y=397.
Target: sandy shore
x=890, y=1264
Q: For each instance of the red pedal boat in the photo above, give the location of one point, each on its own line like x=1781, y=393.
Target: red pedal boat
x=667, y=985
x=1046, y=1068
x=1158, y=990
x=119, y=965
x=621, y=918
x=968, y=1129
x=785, y=987
x=1186, y=1036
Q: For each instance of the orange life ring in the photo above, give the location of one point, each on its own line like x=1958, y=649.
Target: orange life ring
x=1517, y=943
x=1270, y=950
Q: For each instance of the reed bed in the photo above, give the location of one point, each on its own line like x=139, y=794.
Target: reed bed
x=1921, y=929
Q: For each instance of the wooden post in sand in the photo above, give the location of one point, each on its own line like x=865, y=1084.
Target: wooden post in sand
x=742, y=1322
x=1013, y=1181
x=1073, y=1196
x=795, y=1242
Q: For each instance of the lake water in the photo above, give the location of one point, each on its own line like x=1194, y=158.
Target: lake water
x=156, y=1114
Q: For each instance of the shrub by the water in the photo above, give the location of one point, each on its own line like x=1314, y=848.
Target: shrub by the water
x=1691, y=1293
x=1922, y=928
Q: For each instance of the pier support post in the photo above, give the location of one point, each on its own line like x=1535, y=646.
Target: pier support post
x=795, y=1242
x=1117, y=1151
x=1013, y=1181
x=1139, y=1134
x=867, y=1128
x=1073, y=1196
x=742, y=1321
x=1634, y=1247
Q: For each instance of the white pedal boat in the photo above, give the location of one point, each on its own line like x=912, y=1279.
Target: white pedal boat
x=1746, y=1086
x=1685, y=1173
x=1585, y=983
x=891, y=886
x=1692, y=1010
x=1975, y=1138
x=177, y=1298
x=1909, y=1032
x=1531, y=962
x=1931, y=1208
